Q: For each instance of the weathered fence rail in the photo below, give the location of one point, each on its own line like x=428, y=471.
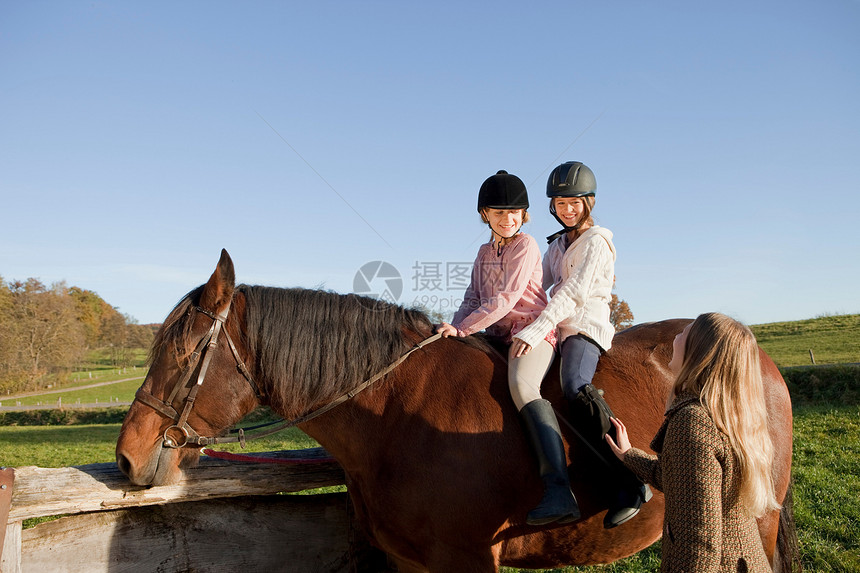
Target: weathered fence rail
x=224, y=516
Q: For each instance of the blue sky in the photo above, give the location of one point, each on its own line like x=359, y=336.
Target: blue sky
x=310, y=138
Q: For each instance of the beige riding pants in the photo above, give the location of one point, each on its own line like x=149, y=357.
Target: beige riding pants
x=526, y=373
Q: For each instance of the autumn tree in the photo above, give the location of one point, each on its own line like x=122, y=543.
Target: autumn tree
x=8, y=345
x=91, y=310
x=115, y=338
x=620, y=314
x=105, y=327
x=41, y=333
x=45, y=331
x=139, y=335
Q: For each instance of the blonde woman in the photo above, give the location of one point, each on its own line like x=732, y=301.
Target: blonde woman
x=714, y=453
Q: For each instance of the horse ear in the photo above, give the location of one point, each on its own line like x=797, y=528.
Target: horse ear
x=218, y=291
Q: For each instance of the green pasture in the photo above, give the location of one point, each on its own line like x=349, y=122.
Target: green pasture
x=98, y=367
x=122, y=391
x=85, y=378
x=61, y=446
x=826, y=478
x=832, y=339
x=100, y=359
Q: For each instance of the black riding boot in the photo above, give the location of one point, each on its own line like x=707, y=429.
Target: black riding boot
x=558, y=503
x=592, y=414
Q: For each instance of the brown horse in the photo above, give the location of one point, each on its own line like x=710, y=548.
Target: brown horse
x=437, y=465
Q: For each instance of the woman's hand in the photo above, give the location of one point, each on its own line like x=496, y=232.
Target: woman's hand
x=446, y=330
x=623, y=445
x=519, y=348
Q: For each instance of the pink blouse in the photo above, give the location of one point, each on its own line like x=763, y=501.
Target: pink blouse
x=505, y=294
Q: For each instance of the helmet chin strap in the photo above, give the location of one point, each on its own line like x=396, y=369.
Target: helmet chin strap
x=506, y=239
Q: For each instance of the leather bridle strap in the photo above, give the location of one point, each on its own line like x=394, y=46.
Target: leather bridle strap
x=166, y=406
x=205, y=348
x=214, y=331
x=240, y=364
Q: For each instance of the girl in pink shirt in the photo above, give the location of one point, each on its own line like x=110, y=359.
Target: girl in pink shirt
x=505, y=296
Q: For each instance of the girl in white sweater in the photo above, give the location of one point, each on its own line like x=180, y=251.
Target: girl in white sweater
x=578, y=273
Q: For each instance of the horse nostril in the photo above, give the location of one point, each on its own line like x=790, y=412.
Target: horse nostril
x=123, y=464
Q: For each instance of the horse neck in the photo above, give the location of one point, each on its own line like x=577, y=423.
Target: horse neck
x=351, y=431
x=414, y=401
x=311, y=347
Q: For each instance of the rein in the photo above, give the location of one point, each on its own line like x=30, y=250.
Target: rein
x=181, y=434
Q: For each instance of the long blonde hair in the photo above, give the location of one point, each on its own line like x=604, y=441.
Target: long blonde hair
x=721, y=363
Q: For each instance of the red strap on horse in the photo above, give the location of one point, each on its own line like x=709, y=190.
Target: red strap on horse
x=270, y=459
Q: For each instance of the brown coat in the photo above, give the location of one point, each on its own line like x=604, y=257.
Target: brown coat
x=705, y=527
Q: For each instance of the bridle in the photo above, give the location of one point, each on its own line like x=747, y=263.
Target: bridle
x=180, y=434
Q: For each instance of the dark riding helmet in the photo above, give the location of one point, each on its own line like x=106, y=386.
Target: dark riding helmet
x=503, y=191
x=571, y=179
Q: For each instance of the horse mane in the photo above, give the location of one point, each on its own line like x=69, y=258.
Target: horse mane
x=175, y=333
x=309, y=346
x=314, y=345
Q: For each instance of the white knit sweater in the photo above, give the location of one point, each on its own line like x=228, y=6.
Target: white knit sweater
x=581, y=276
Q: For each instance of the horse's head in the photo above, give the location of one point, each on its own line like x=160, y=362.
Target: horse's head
x=194, y=388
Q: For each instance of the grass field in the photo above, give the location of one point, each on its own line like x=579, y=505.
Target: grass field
x=826, y=474
x=99, y=360
x=113, y=392
x=832, y=339
x=60, y=446
x=94, y=376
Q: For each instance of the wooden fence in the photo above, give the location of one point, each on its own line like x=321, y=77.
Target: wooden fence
x=224, y=516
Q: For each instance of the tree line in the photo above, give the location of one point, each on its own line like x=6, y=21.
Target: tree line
x=45, y=331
